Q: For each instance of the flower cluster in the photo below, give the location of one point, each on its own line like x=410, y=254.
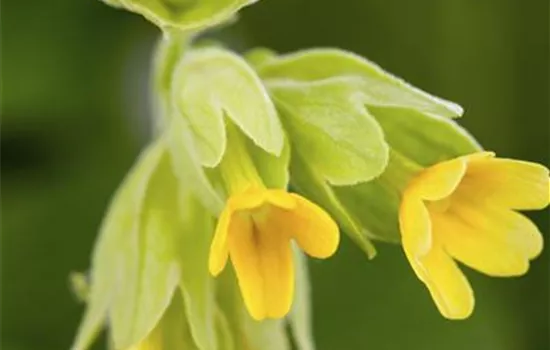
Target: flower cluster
x=259, y=158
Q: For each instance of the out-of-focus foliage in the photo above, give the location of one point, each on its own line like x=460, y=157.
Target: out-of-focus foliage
x=74, y=108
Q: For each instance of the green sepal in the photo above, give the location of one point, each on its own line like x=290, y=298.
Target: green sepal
x=212, y=83
x=259, y=56
x=314, y=187
x=299, y=318
x=272, y=169
x=110, y=249
x=374, y=205
x=148, y=270
x=379, y=87
x=327, y=122
x=174, y=331
x=183, y=15
x=424, y=139
x=196, y=284
x=188, y=168
x=226, y=339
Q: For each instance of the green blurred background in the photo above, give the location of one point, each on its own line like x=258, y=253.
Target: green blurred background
x=75, y=114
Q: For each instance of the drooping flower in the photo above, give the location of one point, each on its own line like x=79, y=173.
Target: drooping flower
x=465, y=209
x=255, y=230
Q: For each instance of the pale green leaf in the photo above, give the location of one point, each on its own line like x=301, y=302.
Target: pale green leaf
x=188, y=168
x=184, y=15
x=226, y=339
x=196, y=285
x=259, y=56
x=424, y=139
x=375, y=206
x=272, y=169
x=310, y=184
x=300, y=315
x=330, y=127
x=148, y=271
x=119, y=223
x=174, y=330
x=379, y=87
x=210, y=84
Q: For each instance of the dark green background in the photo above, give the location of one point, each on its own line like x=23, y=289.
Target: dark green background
x=74, y=113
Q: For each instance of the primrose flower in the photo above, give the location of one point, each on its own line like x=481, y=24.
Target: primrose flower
x=464, y=209
x=255, y=229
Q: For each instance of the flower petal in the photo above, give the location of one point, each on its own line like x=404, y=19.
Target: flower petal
x=479, y=249
x=438, y=181
x=415, y=225
x=251, y=198
x=310, y=226
x=218, y=249
x=281, y=199
x=511, y=183
x=265, y=271
x=511, y=228
x=448, y=286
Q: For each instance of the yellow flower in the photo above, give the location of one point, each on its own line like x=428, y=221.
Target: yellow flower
x=464, y=209
x=255, y=230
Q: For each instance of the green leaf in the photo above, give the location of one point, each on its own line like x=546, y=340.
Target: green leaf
x=188, y=168
x=310, y=184
x=173, y=331
x=375, y=206
x=272, y=169
x=379, y=87
x=425, y=139
x=259, y=56
x=119, y=223
x=226, y=340
x=329, y=126
x=148, y=271
x=300, y=315
x=196, y=285
x=184, y=15
x=211, y=83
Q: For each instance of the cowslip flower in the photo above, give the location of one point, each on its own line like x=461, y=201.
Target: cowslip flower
x=464, y=209
x=255, y=230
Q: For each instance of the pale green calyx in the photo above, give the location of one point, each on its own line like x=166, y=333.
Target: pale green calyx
x=139, y=257
x=184, y=15
x=328, y=124
x=378, y=87
x=210, y=84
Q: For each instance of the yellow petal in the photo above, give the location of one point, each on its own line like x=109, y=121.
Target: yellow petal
x=507, y=226
x=250, y=199
x=281, y=199
x=479, y=249
x=218, y=249
x=510, y=183
x=448, y=286
x=438, y=181
x=415, y=225
x=265, y=271
x=310, y=226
